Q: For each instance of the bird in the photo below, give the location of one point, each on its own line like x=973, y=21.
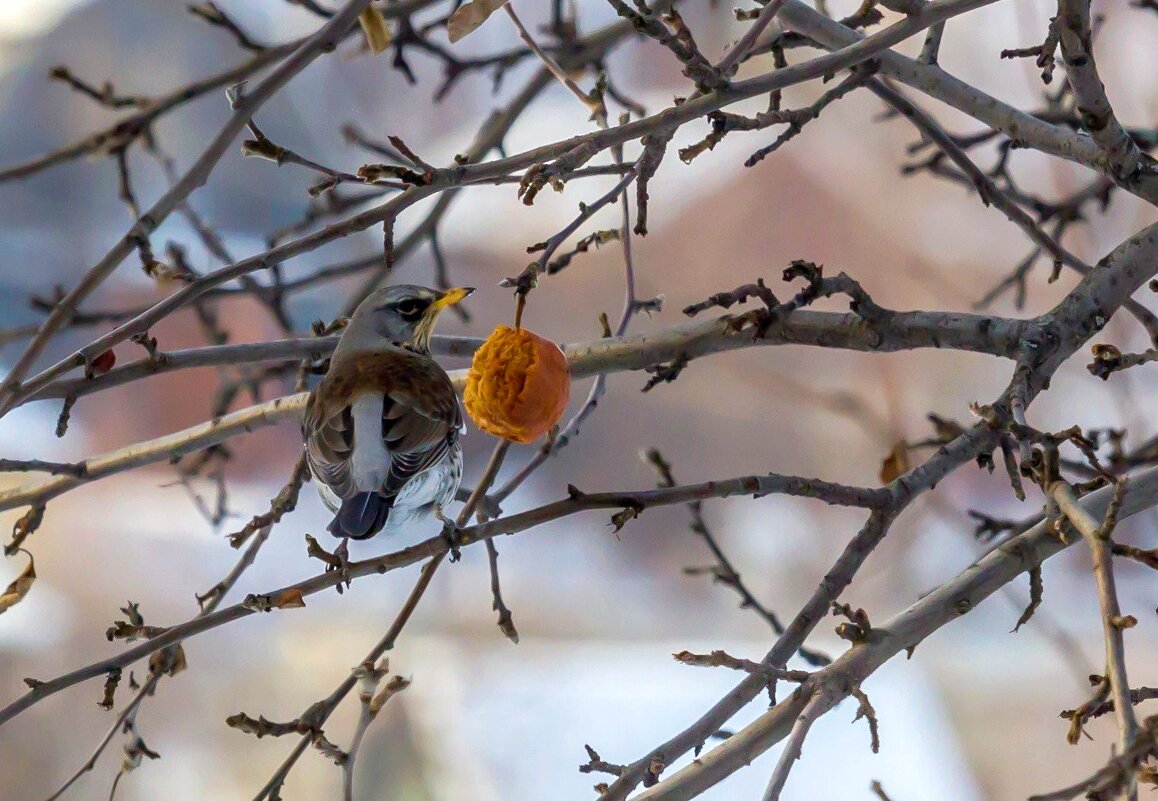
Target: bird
x=381, y=429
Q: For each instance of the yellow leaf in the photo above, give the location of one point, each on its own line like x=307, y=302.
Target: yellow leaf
x=20, y=587
x=290, y=599
x=896, y=464
x=470, y=15
x=376, y=28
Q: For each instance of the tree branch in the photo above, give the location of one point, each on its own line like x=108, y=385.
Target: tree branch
x=904, y=330
x=947, y=603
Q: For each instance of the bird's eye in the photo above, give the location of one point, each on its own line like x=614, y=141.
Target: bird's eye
x=409, y=308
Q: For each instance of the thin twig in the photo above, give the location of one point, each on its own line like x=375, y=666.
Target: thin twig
x=1097, y=536
x=793, y=747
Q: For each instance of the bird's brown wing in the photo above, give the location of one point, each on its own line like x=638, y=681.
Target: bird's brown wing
x=328, y=430
x=421, y=417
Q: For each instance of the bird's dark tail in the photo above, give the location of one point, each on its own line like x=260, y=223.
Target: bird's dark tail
x=361, y=516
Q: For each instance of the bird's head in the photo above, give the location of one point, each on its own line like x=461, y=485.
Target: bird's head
x=404, y=313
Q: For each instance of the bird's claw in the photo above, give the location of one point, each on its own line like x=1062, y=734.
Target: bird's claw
x=342, y=555
x=452, y=533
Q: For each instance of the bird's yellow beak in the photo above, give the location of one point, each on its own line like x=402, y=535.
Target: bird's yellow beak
x=451, y=297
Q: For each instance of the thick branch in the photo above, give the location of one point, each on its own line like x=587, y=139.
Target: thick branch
x=903, y=330
x=935, y=610
x=1025, y=129
x=632, y=503
x=1122, y=154
x=216, y=355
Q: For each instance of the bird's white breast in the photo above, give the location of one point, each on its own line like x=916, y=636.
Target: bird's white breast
x=370, y=461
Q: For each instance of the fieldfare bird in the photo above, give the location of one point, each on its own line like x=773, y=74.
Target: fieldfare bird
x=381, y=429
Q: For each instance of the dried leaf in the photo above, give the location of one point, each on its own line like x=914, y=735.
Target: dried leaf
x=376, y=28
x=290, y=599
x=133, y=626
x=865, y=710
x=109, y=697
x=122, y=631
x=329, y=750
x=31, y=519
x=19, y=586
x=169, y=661
x=1035, y=592
x=471, y=15
x=1106, y=353
x=619, y=519
x=896, y=464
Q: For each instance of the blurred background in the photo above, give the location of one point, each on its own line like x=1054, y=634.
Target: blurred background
x=973, y=715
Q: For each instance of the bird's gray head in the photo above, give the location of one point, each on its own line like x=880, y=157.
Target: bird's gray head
x=404, y=313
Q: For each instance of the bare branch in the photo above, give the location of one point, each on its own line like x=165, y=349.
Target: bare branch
x=1097, y=537
x=942, y=606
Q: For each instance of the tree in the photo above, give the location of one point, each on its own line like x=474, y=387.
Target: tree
x=1086, y=479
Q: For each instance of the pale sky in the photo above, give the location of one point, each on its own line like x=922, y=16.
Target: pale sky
x=19, y=18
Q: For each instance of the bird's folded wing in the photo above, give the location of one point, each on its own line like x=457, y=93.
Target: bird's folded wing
x=329, y=436
x=421, y=420
x=421, y=417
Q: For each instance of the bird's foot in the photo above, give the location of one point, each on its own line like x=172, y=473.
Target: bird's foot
x=451, y=532
x=342, y=565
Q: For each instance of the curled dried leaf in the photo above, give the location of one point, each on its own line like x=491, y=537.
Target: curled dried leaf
x=469, y=16
x=329, y=750
x=286, y=599
x=620, y=518
x=896, y=464
x=1106, y=353
x=108, y=698
x=30, y=520
x=289, y=599
x=1035, y=592
x=133, y=626
x=865, y=710
x=19, y=586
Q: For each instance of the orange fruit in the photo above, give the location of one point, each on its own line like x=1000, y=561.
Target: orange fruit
x=518, y=385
